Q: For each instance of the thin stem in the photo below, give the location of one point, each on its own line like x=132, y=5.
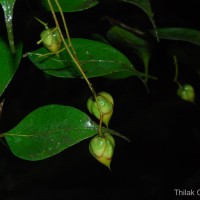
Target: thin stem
x=43, y=23
x=66, y=28
x=73, y=55
x=176, y=71
x=146, y=72
x=176, y=68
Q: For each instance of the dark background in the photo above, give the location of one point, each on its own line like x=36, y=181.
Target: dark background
x=164, y=153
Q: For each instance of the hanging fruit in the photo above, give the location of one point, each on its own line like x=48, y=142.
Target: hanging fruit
x=187, y=93
x=102, y=148
x=51, y=39
x=102, y=105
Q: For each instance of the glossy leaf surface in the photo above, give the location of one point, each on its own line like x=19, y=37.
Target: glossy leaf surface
x=96, y=59
x=48, y=131
x=8, y=6
x=8, y=63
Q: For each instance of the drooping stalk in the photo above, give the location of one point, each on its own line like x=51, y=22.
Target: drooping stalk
x=66, y=29
x=176, y=71
x=73, y=55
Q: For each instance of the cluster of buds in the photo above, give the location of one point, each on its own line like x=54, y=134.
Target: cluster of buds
x=102, y=146
x=101, y=106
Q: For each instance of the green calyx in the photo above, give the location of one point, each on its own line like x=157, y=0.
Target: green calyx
x=103, y=105
x=51, y=39
x=187, y=93
x=102, y=148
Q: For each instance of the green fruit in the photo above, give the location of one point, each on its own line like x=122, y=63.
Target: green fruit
x=51, y=39
x=187, y=93
x=104, y=105
x=102, y=148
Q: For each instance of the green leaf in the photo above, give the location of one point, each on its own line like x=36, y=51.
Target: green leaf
x=71, y=5
x=8, y=64
x=96, y=58
x=124, y=38
x=181, y=34
x=8, y=6
x=145, y=5
x=48, y=131
x=128, y=40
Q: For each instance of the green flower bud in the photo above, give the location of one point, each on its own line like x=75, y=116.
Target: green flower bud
x=187, y=93
x=102, y=148
x=51, y=39
x=105, y=104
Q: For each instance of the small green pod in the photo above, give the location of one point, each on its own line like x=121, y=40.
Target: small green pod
x=187, y=93
x=102, y=148
x=104, y=104
x=51, y=39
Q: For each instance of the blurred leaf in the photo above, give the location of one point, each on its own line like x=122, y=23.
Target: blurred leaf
x=48, y=131
x=145, y=5
x=124, y=38
x=96, y=58
x=8, y=64
x=71, y=5
x=182, y=34
x=8, y=6
x=100, y=38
